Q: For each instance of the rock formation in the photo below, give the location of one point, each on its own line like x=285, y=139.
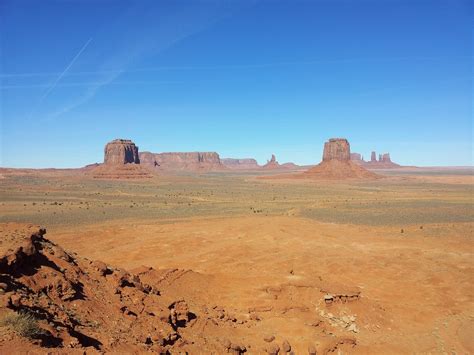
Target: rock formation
x=384, y=161
x=337, y=163
x=121, y=151
x=121, y=161
x=272, y=163
x=337, y=149
x=240, y=164
x=191, y=161
x=385, y=158
x=373, y=157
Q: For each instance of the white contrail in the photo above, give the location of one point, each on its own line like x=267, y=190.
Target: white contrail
x=51, y=88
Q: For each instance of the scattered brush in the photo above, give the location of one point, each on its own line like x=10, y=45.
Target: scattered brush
x=23, y=323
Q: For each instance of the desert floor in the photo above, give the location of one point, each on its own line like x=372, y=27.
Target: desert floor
x=398, y=251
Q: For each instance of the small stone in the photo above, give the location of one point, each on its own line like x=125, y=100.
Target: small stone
x=238, y=348
x=269, y=338
x=328, y=298
x=353, y=328
x=15, y=300
x=286, y=347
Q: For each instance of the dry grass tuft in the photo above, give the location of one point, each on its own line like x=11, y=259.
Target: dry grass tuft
x=24, y=324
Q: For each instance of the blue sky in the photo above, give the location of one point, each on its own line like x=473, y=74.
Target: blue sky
x=243, y=78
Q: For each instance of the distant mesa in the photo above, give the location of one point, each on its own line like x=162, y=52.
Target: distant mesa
x=241, y=164
x=356, y=157
x=121, y=161
x=290, y=166
x=121, y=151
x=189, y=161
x=337, y=163
x=251, y=164
x=383, y=162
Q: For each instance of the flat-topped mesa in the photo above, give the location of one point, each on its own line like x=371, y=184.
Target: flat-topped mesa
x=246, y=163
x=121, y=151
x=337, y=149
x=192, y=161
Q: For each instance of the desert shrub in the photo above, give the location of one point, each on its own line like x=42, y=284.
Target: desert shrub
x=24, y=324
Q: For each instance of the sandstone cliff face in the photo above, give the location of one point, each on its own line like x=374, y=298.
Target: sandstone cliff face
x=242, y=164
x=121, y=151
x=182, y=161
x=337, y=149
x=121, y=161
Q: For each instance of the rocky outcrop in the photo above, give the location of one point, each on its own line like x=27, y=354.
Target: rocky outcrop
x=337, y=164
x=240, y=164
x=75, y=303
x=337, y=149
x=192, y=161
x=121, y=151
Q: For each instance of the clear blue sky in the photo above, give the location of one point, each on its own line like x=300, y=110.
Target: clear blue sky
x=243, y=78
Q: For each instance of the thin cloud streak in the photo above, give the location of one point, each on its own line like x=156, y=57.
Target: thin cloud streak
x=234, y=66
x=143, y=42
x=65, y=70
x=58, y=79
x=87, y=84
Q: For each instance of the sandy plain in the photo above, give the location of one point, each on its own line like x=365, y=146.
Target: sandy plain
x=398, y=251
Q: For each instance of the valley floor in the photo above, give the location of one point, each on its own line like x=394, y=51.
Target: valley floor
x=393, y=258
